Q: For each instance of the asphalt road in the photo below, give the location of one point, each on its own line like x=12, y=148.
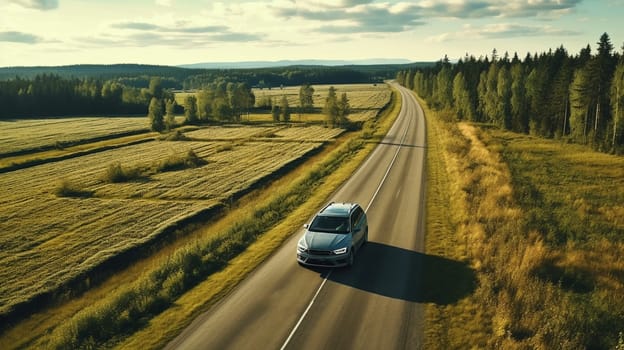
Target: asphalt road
x=376, y=304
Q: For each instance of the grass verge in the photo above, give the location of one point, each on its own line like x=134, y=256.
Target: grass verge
x=538, y=222
x=139, y=306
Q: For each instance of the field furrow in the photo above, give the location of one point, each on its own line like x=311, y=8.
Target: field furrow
x=49, y=240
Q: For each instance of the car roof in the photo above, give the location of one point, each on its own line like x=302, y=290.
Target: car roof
x=338, y=209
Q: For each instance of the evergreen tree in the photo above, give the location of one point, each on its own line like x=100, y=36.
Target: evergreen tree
x=602, y=68
x=519, y=113
x=579, y=104
x=536, y=94
x=490, y=105
x=617, y=105
x=444, y=88
x=331, y=107
x=461, y=98
x=482, y=96
x=503, y=89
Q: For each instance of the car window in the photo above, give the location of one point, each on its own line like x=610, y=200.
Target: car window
x=331, y=224
x=356, y=217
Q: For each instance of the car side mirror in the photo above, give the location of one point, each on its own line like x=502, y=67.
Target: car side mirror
x=306, y=226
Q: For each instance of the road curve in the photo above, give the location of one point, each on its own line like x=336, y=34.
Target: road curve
x=376, y=304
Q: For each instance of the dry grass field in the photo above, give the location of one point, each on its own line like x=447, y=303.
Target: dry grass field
x=48, y=240
x=313, y=133
x=19, y=135
x=66, y=217
x=539, y=223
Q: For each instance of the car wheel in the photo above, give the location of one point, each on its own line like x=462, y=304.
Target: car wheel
x=351, y=258
x=365, y=237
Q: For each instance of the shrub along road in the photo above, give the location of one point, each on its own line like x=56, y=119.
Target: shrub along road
x=378, y=303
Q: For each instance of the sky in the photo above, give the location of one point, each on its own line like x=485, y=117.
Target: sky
x=174, y=32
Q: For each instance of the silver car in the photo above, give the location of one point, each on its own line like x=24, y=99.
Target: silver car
x=334, y=236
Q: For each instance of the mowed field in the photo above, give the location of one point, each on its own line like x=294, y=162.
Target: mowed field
x=30, y=134
x=47, y=241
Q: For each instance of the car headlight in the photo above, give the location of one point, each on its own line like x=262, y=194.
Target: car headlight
x=340, y=251
x=301, y=247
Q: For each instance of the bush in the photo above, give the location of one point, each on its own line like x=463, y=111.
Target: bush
x=116, y=173
x=176, y=135
x=176, y=162
x=68, y=189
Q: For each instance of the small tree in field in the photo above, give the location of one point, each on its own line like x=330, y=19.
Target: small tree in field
x=285, y=110
x=190, y=109
x=331, y=107
x=306, y=98
x=170, y=105
x=344, y=108
x=275, y=112
x=155, y=115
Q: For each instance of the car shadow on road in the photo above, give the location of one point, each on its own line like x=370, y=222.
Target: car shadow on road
x=407, y=275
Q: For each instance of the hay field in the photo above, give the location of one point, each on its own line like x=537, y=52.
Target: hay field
x=231, y=133
x=27, y=134
x=313, y=133
x=48, y=240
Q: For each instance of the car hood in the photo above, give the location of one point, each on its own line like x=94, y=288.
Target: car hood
x=326, y=241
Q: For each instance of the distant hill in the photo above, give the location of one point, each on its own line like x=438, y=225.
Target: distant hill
x=282, y=73
x=101, y=71
x=287, y=63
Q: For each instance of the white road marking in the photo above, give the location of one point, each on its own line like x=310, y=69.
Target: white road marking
x=306, y=311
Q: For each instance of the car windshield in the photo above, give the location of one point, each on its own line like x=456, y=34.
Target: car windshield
x=331, y=224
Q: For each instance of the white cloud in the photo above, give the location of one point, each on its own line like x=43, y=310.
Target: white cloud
x=19, y=37
x=499, y=31
x=37, y=4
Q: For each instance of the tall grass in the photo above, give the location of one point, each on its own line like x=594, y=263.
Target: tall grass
x=535, y=291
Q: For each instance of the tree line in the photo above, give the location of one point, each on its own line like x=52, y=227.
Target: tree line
x=51, y=95
x=227, y=102
x=554, y=94
x=138, y=76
